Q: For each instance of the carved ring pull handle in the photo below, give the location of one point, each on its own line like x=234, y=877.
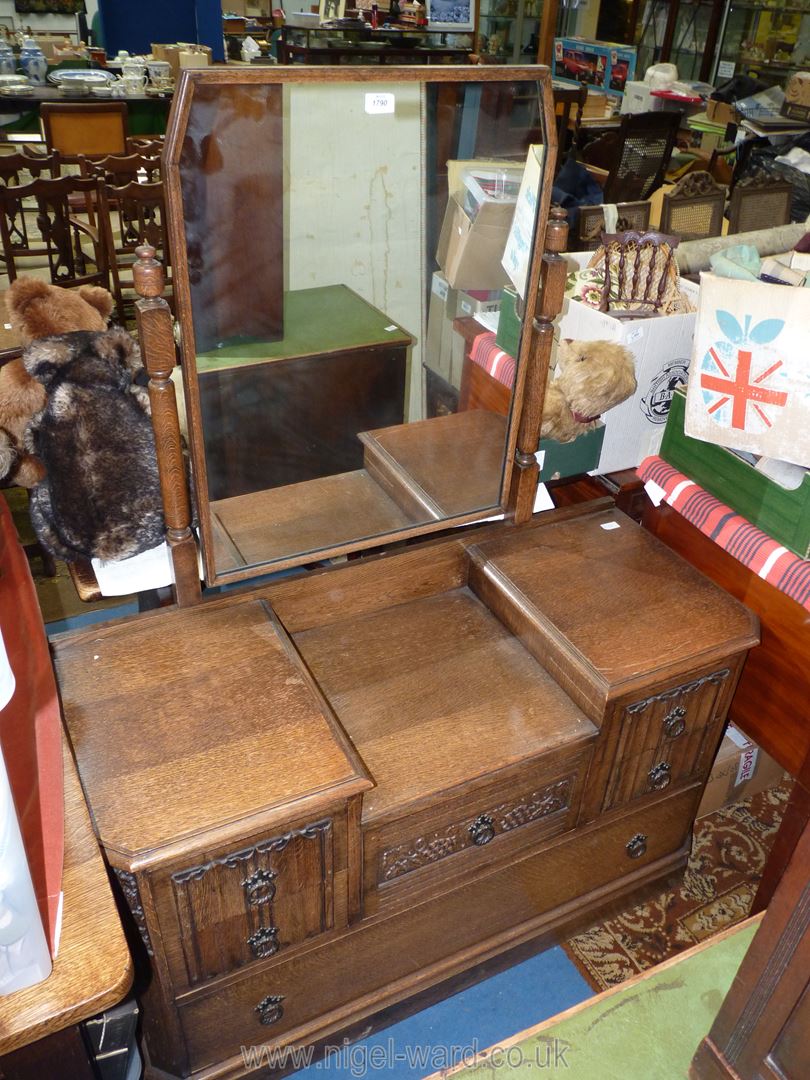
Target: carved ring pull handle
x=674, y=723
x=482, y=830
x=264, y=942
x=270, y=1009
x=636, y=846
x=660, y=775
x=260, y=887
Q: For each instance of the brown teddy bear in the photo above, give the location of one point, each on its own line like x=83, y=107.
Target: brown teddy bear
x=590, y=378
x=36, y=310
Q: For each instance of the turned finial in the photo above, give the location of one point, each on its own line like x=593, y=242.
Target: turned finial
x=147, y=273
x=557, y=230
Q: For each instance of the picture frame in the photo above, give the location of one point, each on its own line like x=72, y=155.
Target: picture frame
x=329, y=10
x=451, y=15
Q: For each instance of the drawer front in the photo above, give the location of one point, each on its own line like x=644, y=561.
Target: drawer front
x=247, y=904
x=465, y=834
x=669, y=737
x=261, y=1006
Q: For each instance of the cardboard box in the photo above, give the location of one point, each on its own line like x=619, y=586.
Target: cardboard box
x=740, y=769
x=444, y=348
x=470, y=304
x=471, y=247
x=570, y=459
x=606, y=65
x=782, y=513
x=661, y=348
x=720, y=112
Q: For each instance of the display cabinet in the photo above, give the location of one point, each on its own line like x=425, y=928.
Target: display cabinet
x=508, y=30
x=334, y=789
x=768, y=40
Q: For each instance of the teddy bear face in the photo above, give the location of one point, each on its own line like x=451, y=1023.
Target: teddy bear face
x=593, y=376
x=90, y=359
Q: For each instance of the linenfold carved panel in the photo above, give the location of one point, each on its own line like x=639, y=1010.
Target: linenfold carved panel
x=248, y=904
x=424, y=850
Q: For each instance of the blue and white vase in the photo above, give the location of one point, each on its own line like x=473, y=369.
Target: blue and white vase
x=33, y=62
x=8, y=65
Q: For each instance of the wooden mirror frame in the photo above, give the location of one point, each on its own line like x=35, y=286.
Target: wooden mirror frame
x=547, y=269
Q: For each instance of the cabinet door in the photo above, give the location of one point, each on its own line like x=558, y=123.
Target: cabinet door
x=669, y=737
x=247, y=904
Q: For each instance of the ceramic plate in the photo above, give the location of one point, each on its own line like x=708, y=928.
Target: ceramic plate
x=92, y=76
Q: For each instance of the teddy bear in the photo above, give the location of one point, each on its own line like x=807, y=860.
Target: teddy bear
x=590, y=377
x=37, y=309
x=100, y=497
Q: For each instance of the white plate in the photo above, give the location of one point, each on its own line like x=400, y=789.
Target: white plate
x=92, y=76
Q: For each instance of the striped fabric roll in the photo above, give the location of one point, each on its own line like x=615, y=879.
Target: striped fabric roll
x=497, y=363
x=736, y=535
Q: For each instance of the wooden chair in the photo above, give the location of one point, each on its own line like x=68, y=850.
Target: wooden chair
x=640, y=271
x=635, y=154
x=130, y=216
x=148, y=145
x=89, y=130
x=759, y=201
x=566, y=99
x=693, y=210
x=634, y=216
x=118, y=169
x=20, y=168
x=68, y=243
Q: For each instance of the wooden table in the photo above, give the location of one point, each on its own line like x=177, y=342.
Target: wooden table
x=147, y=112
x=39, y=1033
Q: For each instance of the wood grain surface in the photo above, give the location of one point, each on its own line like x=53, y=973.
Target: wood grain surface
x=93, y=968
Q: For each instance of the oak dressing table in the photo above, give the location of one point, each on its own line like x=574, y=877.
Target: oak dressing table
x=329, y=792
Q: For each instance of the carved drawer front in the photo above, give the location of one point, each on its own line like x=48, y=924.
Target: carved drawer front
x=249, y=903
x=467, y=833
x=668, y=738
x=266, y=1004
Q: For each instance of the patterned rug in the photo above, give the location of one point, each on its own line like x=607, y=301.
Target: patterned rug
x=729, y=851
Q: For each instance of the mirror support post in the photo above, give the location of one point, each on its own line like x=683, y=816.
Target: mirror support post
x=156, y=337
x=549, y=305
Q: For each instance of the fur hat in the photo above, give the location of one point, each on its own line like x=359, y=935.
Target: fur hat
x=37, y=309
x=590, y=378
x=101, y=493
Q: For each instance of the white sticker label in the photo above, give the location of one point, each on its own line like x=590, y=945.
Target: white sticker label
x=747, y=766
x=608, y=525
x=542, y=500
x=391, y=328
x=379, y=103
x=655, y=492
x=725, y=69
x=540, y=457
x=737, y=737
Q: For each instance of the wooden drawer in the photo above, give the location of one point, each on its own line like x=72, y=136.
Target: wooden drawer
x=464, y=835
x=669, y=737
x=261, y=1006
x=246, y=904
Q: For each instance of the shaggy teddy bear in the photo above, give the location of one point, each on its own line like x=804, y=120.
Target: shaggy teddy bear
x=101, y=493
x=590, y=378
x=37, y=309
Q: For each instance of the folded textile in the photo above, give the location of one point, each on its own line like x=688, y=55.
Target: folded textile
x=731, y=531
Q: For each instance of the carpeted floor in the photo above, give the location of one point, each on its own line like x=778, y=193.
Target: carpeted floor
x=729, y=851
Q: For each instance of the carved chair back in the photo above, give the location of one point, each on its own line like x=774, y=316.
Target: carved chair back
x=759, y=201
x=132, y=215
x=73, y=249
x=632, y=216
x=636, y=155
x=639, y=271
x=21, y=168
x=693, y=210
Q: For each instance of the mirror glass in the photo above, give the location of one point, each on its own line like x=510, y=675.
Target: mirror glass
x=343, y=279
